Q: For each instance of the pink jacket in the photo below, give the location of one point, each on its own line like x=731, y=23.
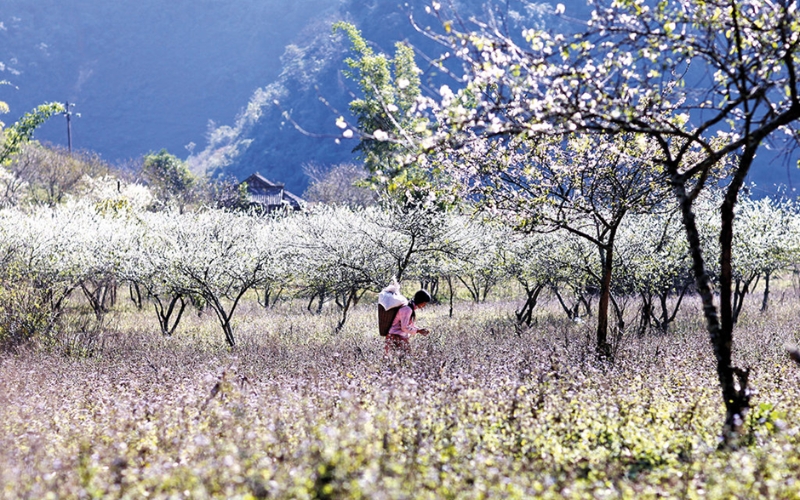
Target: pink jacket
x=403, y=325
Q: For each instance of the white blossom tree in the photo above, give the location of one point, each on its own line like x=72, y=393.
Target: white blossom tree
x=529, y=259
x=221, y=256
x=481, y=256
x=583, y=184
x=147, y=264
x=653, y=262
x=704, y=79
x=767, y=242
x=336, y=254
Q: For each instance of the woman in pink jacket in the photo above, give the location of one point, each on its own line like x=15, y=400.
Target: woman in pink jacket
x=403, y=326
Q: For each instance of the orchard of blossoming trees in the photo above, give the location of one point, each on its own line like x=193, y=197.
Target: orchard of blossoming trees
x=213, y=258
x=701, y=87
x=574, y=201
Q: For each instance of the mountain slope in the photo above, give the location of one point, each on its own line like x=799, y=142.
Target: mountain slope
x=263, y=140
x=145, y=75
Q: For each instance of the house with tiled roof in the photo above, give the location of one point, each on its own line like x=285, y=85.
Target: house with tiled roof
x=270, y=196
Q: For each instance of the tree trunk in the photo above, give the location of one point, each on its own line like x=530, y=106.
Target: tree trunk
x=603, y=347
x=136, y=294
x=765, y=300
x=525, y=314
x=644, y=313
x=619, y=312
x=228, y=330
x=271, y=296
x=96, y=293
x=165, y=314
x=720, y=330
x=739, y=293
x=571, y=312
x=351, y=298
x=432, y=286
x=666, y=317
x=112, y=293
x=223, y=316
x=321, y=301
x=452, y=293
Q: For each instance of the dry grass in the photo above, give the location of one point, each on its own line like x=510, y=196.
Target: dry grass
x=481, y=410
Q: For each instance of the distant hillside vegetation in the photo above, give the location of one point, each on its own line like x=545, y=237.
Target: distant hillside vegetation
x=262, y=138
x=145, y=75
x=200, y=77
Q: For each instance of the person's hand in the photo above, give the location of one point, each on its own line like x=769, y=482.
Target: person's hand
x=423, y=331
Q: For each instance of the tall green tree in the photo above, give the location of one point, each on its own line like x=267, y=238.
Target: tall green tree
x=387, y=125
x=169, y=177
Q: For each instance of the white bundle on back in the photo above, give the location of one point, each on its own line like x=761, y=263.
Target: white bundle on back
x=390, y=297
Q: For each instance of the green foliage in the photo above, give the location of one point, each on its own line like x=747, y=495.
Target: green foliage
x=15, y=136
x=168, y=177
x=388, y=127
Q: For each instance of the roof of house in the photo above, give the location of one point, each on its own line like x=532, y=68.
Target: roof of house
x=266, y=192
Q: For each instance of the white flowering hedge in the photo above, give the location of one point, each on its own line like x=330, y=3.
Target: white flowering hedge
x=214, y=258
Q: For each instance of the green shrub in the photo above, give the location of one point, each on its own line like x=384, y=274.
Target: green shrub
x=25, y=315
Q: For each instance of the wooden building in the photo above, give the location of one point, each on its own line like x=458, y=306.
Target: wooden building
x=270, y=196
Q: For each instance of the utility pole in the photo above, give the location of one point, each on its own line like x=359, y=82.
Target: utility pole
x=68, y=114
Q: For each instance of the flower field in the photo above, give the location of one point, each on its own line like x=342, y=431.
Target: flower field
x=482, y=409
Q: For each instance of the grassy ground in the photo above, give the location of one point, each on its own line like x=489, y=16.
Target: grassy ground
x=481, y=410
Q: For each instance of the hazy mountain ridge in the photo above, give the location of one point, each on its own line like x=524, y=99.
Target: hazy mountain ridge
x=263, y=139
x=145, y=75
x=203, y=76
x=200, y=78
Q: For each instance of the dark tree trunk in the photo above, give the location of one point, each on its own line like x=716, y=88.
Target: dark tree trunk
x=645, y=312
x=349, y=299
x=56, y=300
x=432, y=286
x=572, y=312
x=112, y=293
x=321, y=295
x=740, y=291
x=603, y=347
x=270, y=297
x=585, y=298
x=474, y=293
x=136, y=294
x=452, y=293
x=619, y=313
x=165, y=314
x=525, y=314
x=228, y=331
x=97, y=294
x=223, y=316
x=765, y=300
x=321, y=302
x=737, y=399
x=719, y=326
x=668, y=317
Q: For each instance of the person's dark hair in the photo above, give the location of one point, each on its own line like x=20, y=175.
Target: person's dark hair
x=422, y=297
